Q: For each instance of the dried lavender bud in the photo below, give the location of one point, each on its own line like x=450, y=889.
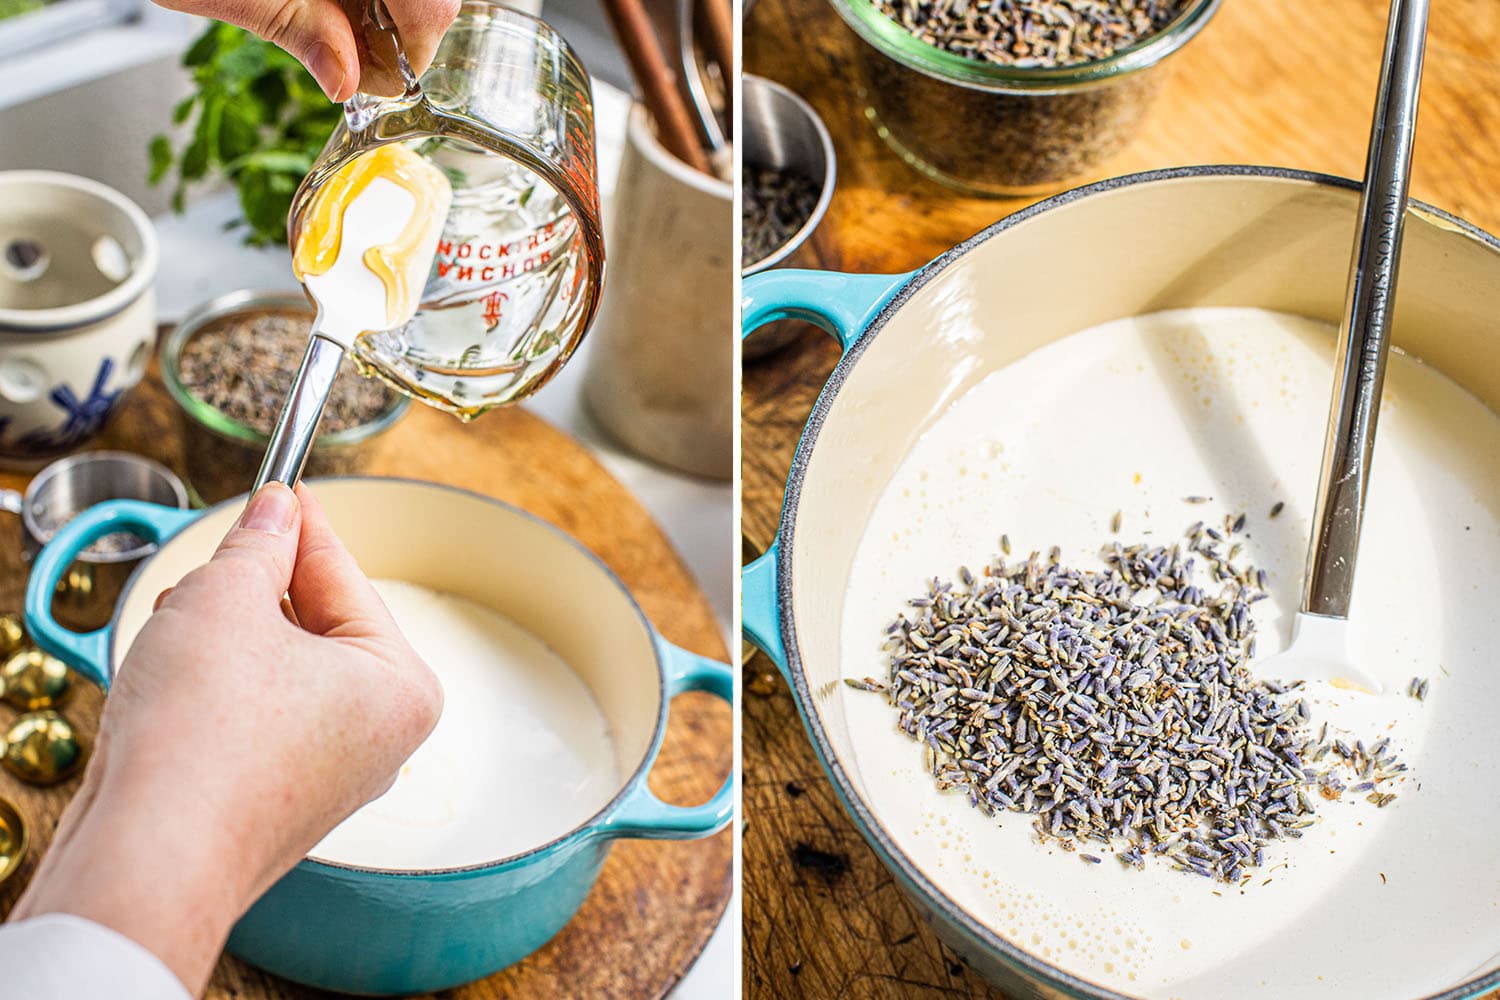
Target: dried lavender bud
x=1033, y=33
x=243, y=366
x=1118, y=708
x=777, y=204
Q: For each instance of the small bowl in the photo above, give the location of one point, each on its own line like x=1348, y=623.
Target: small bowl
x=783, y=132
x=67, y=487
x=222, y=454
x=1000, y=131
x=77, y=310
x=13, y=840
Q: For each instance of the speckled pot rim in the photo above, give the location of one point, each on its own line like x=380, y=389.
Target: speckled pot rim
x=869, y=825
x=581, y=833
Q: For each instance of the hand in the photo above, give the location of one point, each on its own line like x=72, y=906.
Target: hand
x=234, y=739
x=320, y=35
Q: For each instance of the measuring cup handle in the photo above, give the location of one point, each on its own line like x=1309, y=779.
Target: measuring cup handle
x=844, y=305
x=642, y=814
x=88, y=652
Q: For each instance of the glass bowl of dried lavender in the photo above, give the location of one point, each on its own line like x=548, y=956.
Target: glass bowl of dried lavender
x=1014, y=97
x=788, y=179
x=228, y=366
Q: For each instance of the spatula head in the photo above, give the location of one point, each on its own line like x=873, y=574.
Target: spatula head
x=1319, y=651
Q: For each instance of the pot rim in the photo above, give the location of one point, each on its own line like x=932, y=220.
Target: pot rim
x=581, y=832
x=59, y=319
x=865, y=819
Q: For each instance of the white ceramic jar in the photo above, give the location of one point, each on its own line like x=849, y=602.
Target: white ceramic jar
x=77, y=311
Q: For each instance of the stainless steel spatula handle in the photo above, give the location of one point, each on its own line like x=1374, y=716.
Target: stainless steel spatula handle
x=297, y=427
x=1364, y=338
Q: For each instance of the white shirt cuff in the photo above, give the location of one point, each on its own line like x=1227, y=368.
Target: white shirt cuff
x=58, y=955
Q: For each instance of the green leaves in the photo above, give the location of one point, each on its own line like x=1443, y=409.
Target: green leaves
x=257, y=117
x=14, y=8
x=161, y=158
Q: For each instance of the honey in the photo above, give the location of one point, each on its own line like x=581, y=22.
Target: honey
x=320, y=238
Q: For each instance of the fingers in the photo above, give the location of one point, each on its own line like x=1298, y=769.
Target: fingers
x=261, y=548
x=315, y=31
x=330, y=593
x=422, y=24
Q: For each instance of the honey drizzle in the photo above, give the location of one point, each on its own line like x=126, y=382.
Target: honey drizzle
x=321, y=233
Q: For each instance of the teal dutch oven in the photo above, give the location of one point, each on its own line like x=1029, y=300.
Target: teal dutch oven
x=372, y=931
x=912, y=345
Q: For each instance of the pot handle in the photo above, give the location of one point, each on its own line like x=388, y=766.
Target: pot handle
x=844, y=305
x=641, y=813
x=88, y=652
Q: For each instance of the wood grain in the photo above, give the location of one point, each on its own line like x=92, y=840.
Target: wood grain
x=656, y=903
x=1277, y=82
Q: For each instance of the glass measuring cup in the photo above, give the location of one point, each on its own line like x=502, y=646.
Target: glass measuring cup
x=506, y=111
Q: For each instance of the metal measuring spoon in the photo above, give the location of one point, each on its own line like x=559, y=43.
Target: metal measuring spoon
x=1319, y=649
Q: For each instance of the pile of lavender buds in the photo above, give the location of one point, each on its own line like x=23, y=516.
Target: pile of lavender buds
x=777, y=204
x=1032, y=32
x=1118, y=706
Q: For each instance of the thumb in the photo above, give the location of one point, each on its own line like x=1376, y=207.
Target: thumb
x=261, y=548
x=316, y=32
x=331, y=594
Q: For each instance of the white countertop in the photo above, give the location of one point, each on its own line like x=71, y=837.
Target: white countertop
x=200, y=261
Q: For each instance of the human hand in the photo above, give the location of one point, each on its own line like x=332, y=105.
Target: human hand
x=322, y=34
x=234, y=739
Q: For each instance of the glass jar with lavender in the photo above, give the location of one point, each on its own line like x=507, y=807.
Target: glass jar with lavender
x=1013, y=97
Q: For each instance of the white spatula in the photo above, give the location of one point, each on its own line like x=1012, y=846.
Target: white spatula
x=1320, y=649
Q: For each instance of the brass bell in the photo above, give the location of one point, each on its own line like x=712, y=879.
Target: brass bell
x=32, y=680
x=12, y=635
x=42, y=748
x=12, y=840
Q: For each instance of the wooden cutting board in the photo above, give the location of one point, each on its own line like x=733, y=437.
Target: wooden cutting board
x=656, y=903
x=1279, y=82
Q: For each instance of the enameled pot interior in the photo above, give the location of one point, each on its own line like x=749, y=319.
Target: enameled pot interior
x=1195, y=238
x=459, y=543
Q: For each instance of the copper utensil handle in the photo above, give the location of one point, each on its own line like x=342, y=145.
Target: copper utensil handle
x=1364, y=337
x=653, y=74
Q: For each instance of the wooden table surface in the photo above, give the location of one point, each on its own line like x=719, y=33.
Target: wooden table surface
x=1280, y=82
x=655, y=903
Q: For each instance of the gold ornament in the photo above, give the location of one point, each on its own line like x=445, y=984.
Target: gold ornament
x=42, y=748
x=32, y=680
x=12, y=840
x=12, y=635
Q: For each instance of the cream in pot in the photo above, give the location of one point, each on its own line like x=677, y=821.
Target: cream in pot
x=520, y=755
x=1222, y=403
